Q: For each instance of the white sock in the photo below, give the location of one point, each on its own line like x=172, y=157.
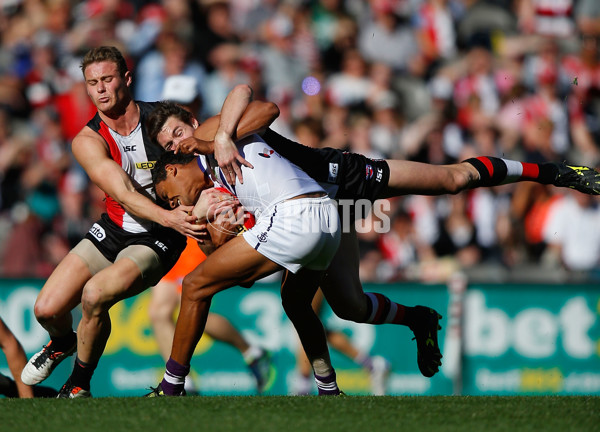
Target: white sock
x=252, y=353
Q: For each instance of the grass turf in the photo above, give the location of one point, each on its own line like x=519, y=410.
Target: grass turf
x=286, y=413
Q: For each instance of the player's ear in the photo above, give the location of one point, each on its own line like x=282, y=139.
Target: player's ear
x=195, y=123
x=171, y=170
x=128, y=78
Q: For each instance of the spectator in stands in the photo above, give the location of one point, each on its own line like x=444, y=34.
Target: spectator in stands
x=170, y=57
x=575, y=217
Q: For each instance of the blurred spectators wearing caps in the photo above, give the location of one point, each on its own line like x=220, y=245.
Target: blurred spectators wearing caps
x=183, y=89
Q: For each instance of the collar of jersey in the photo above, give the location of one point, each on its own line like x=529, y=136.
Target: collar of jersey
x=215, y=173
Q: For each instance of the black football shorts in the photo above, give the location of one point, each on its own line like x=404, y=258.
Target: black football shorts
x=110, y=239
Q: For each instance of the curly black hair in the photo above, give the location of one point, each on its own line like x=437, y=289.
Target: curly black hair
x=159, y=172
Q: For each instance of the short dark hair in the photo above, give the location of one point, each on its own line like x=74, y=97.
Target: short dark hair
x=159, y=116
x=159, y=172
x=105, y=53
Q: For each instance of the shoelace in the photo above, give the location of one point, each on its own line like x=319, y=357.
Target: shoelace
x=155, y=390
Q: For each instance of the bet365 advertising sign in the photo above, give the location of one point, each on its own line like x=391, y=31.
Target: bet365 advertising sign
x=531, y=339
x=496, y=340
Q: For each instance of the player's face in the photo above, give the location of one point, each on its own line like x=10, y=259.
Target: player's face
x=173, y=132
x=107, y=89
x=182, y=186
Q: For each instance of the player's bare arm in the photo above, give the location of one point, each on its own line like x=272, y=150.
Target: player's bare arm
x=239, y=117
x=91, y=152
x=256, y=119
x=226, y=153
x=15, y=357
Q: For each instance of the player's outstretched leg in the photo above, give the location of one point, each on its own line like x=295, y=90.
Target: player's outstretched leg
x=40, y=366
x=581, y=178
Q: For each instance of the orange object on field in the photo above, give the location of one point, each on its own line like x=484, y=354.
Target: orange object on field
x=188, y=261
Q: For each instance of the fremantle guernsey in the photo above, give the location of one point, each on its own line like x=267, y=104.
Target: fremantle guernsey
x=342, y=174
x=137, y=156
x=273, y=179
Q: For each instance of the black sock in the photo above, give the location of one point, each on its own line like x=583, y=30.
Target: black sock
x=82, y=374
x=494, y=171
x=64, y=343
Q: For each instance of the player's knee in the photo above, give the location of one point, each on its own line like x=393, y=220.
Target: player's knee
x=43, y=310
x=461, y=178
x=159, y=312
x=91, y=299
x=295, y=305
x=296, y=311
x=195, y=288
x=288, y=302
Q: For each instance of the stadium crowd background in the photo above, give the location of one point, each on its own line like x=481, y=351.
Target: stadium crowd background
x=428, y=80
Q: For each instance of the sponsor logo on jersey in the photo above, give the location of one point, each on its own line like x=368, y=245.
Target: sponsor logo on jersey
x=129, y=148
x=145, y=165
x=262, y=237
x=379, y=175
x=161, y=245
x=333, y=172
x=369, y=172
x=266, y=153
x=98, y=232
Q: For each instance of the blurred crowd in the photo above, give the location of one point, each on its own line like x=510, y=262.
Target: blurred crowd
x=434, y=81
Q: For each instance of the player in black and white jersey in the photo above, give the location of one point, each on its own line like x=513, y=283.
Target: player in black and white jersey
x=129, y=249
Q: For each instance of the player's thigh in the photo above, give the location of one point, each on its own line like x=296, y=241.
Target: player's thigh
x=341, y=285
x=62, y=291
x=300, y=287
x=234, y=263
x=136, y=268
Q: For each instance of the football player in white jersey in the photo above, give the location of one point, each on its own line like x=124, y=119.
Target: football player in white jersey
x=129, y=249
x=297, y=230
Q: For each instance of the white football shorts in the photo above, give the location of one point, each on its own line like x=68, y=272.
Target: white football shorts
x=298, y=233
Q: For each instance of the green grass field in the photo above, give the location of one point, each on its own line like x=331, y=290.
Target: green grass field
x=286, y=413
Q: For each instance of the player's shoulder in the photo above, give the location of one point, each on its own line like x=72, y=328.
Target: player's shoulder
x=88, y=139
x=87, y=134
